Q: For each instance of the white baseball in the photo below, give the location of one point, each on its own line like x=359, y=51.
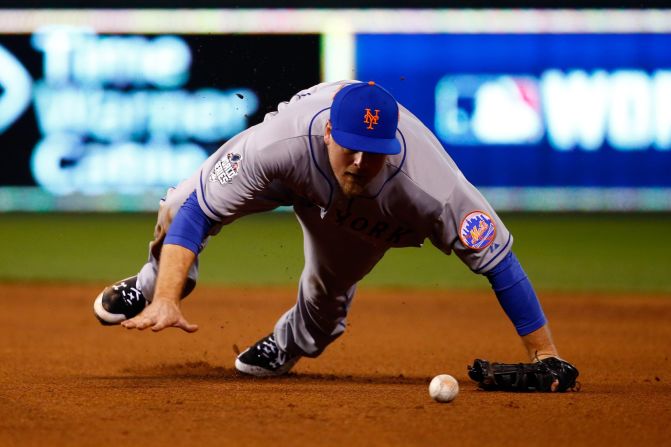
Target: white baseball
x=443, y=388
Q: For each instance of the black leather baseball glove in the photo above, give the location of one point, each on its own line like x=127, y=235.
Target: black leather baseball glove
x=538, y=376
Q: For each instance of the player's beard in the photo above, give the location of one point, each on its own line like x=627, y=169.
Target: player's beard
x=352, y=185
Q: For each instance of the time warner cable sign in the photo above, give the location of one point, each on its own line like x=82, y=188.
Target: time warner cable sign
x=114, y=113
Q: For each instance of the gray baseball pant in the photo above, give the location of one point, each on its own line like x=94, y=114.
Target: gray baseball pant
x=334, y=263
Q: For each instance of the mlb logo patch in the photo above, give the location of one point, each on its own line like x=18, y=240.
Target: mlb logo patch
x=477, y=230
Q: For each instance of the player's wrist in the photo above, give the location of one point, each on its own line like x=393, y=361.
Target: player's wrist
x=166, y=298
x=538, y=356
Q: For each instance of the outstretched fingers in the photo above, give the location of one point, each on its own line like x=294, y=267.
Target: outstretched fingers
x=158, y=316
x=186, y=326
x=181, y=323
x=138, y=322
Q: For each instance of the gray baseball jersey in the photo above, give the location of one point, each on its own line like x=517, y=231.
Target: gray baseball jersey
x=420, y=194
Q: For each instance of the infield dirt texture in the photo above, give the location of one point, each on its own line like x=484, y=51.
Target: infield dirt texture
x=65, y=380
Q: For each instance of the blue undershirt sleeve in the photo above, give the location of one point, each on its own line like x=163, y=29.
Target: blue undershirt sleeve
x=516, y=295
x=190, y=226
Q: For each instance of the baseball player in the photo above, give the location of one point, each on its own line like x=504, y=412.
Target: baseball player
x=363, y=175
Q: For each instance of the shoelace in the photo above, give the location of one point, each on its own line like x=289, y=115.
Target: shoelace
x=268, y=349
x=131, y=296
x=128, y=294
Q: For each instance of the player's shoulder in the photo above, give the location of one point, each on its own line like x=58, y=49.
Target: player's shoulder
x=321, y=91
x=305, y=103
x=427, y=167
x=303, y=115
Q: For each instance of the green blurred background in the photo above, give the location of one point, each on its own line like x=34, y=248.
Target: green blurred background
x=567, y=252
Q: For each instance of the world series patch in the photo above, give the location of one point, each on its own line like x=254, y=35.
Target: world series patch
x=226, y=168
x=477, y=230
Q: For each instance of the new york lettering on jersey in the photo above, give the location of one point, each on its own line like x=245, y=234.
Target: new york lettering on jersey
x=367, y=222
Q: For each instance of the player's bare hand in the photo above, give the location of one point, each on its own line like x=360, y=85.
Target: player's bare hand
x=159, y=315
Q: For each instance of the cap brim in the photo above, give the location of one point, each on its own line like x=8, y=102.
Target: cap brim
x=355, y=142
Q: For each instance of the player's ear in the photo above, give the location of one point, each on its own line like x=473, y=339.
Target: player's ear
x=327, y=132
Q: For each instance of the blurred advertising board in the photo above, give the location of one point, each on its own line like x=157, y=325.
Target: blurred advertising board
x=541, y=121
x=105, y=121
x=547, y=110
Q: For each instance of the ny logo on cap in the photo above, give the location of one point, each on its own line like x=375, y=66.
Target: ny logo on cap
x=371, y=119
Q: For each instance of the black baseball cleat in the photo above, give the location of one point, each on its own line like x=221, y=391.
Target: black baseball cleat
x=265, y=359
x=118, y=302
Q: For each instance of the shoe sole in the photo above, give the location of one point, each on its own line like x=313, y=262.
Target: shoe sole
x=105, y=317
x=257, y=371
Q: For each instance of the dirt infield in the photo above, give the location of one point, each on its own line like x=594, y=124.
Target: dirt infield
x=66, y=380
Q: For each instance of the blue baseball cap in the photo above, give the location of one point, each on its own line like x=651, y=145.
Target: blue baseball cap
x=364, y=117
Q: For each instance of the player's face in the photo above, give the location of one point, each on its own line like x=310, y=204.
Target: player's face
x=353, y=170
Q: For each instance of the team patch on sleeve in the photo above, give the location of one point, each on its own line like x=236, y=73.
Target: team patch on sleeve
x=477, y=230
x=225, y=169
